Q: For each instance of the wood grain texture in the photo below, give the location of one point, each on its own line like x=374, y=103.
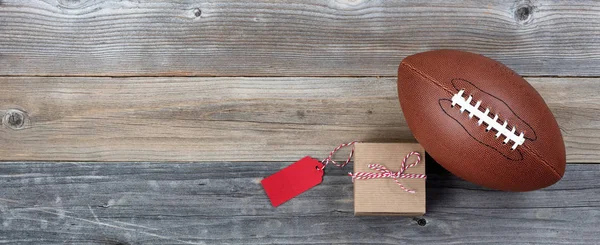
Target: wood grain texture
x=290, y=38
x=236, y=119
x=217, y=203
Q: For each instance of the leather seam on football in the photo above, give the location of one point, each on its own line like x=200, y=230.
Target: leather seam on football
x=426, y=77
x=539, y=157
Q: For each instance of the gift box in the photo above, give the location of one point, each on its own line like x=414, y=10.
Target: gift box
x=378, y=193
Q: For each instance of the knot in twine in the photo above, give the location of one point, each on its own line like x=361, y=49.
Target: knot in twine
x=386, y=173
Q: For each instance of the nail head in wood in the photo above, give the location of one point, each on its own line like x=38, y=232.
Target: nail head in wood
x=197, y=12
x=420, y=221
x=14, y=119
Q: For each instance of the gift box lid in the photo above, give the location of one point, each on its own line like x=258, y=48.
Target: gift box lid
x=384, y=196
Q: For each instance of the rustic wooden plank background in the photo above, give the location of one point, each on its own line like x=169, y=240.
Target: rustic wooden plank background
x=263, y=83
x=237, y=119
x=215, y=203
x=290, y=38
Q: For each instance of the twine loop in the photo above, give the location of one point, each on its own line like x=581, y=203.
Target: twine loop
x=329, y=159
x=386, y=173
x=383, y=171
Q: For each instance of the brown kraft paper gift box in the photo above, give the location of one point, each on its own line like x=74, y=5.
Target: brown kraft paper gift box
x=383, y=196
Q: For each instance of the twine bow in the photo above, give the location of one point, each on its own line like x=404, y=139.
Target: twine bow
x=386, y=173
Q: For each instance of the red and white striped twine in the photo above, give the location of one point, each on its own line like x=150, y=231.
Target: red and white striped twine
x=383, y=171
x=330, y=160
x=386, y=173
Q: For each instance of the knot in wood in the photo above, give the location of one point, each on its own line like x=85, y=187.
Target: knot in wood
x=69, y=4
x=524, y=14
x=14, y=119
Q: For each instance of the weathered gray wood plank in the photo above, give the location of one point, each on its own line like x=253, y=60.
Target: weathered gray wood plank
x=235, y=119
x=290, y=38
x=215, y=203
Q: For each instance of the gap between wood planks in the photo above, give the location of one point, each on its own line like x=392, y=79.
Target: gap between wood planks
x=243, y=76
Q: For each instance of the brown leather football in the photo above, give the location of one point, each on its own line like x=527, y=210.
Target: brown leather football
x=481, y=120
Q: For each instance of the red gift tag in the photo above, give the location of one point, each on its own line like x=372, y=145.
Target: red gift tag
x=293, y=180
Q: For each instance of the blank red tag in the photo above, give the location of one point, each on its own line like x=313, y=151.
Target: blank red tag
x=293, y=180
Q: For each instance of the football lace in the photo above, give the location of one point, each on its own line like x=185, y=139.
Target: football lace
x=491, y=122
